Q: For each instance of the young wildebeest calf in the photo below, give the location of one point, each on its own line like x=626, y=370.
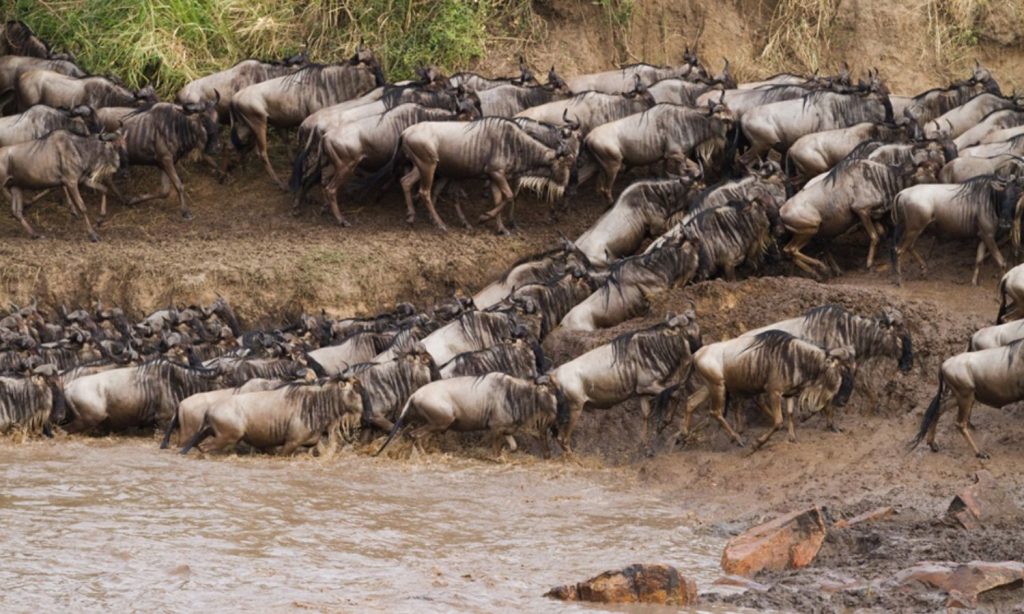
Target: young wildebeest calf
x=291, y=416
x=994, y=377
x=981, y=207
x=61, y=159
x=773, y=363
x=496, y=402
x=641, y=363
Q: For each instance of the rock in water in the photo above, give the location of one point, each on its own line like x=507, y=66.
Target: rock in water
x=788, y=542
x=658, y=583
x=982, y=502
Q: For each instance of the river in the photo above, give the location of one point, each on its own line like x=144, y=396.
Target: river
x=115, y=524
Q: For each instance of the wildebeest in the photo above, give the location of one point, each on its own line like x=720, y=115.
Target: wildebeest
x=164, y=133
x=494, y=402
x=641, y=363
x=355, y=348
x=17, y=39
x=996, y=335
x=765, y=182
x=370, y=143
x=958, y=120
x=740, y=101
x=286, y=101
x=12, y=66
x=56, y=90
x=521, y=357
x=631, y=283
x=389, y=385
x=737, y=233
x=134, y=396
x=1011, y=295
x=591, y=109
x=854, y=191
x=932, y=103
x=541, y=267
x=494, y=148
x=963, y=169
x=992, y=123
x=614, y=81
x=818, y=152
x=779, y=125
x=507, y=100
x=291, y=416
x=33, y=402
x=666, y=132
x=61, y=159
x=772, y=363
x=474, y=330
x=641, y=211
x=222, y=85
x=189, y=415
x=41, y=120
x=550, y=301
x=477, y=83
x=982, y=207
x=994, y=377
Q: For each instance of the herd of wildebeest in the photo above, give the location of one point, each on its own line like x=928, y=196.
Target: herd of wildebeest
x=734, y=171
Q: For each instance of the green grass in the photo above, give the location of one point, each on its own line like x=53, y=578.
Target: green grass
x=170, y=42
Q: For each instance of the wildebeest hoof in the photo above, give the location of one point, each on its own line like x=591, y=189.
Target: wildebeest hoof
x=187, y=215
x=410, y=220
x=983, y=455
x=836, y=429
x=344, y=223
x=503, y=232
x=100, y=221
x=442, y=229
x=95, y=238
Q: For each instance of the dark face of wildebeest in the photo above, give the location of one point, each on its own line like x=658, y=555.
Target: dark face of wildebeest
x=207, y=112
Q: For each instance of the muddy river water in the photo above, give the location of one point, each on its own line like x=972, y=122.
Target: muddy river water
x=118, y=525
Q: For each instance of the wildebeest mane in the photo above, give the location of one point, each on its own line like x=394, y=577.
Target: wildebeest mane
x=21, y=402
x=651, y=350
x=833, y=326
x=388, y=386
x=508, y=358
x=165, y=376
x=320, y=404
x=729, y=229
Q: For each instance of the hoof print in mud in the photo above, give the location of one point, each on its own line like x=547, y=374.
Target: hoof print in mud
x=981, y=503
x=658, y=583
x=963, y=583
x=787, y=542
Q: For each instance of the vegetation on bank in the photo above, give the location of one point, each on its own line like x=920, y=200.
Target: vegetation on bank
x=170, y=42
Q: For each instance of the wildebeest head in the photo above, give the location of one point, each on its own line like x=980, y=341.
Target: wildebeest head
x=207, y=113
x=146, y=95
x=721, y=111
x=525, y=74
x=299, y=59
x=365, y=57
x=690, y=57
x=640, y=91
x=981, y=75
x=51, y=376
x=18, y=39
x=892, y=319
x=431, y=77
x=116, y=148
x=86, y=117
x=725, y=78
x=686, y=323
x=838, y=377
x=558, y=404
x=556, y=83
x=419, y=355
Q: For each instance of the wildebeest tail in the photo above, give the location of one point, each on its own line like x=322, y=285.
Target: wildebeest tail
x=375, y=179
x=170, y=429
x=397, y=427
x=205, y=430
x=1002, y=302
x=661, y=404
x=299, y=174
x=931, y=414
x=236, y=140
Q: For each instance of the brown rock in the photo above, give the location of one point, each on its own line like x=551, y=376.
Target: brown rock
x=870, y=516
x=964, y=583
x=788, y=542
x=981, y=503
x=741, y=582
x=661, y=584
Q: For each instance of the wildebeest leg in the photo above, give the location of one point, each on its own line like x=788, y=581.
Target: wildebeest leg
x=989, y=241
x=979, y=257
x=699, y=396
x=805, y=262
x=610, y=170
x=260, y=132
x=511, y=441
x=426, y=184
x=931, y=429
x=165, y=191
x=342, y=172
x=167, y=164
x=869, y=227
x=17, y=210
x=506, y=196
x=565, y=440
x=76, y=196
x=775, y=400
x=790, y=404
x=408, y=181
x=717, y=394
x=965, y=403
